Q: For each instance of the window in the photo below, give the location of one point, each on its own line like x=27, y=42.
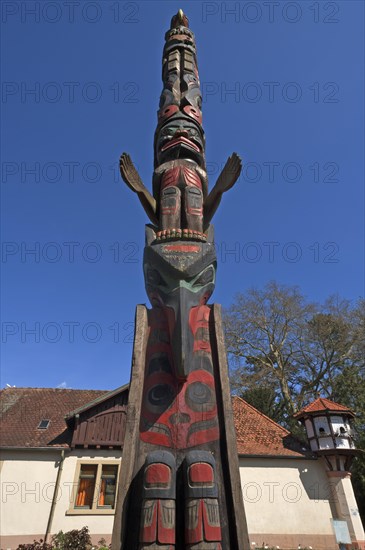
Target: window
x=86, y=488
x=43, y=425
x=95, y=488
x=108, y=486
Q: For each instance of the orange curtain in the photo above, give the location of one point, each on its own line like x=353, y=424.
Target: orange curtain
x=84, y=485
x=102, y=493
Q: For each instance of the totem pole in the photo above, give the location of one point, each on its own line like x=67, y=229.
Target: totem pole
x=180, y=485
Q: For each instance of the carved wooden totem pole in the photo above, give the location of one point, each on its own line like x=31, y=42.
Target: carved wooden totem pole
x=180, y=485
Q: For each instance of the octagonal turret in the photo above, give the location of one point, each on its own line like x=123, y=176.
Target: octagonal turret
x=329, y=431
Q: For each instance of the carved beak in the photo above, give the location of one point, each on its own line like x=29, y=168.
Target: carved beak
x=182, y=335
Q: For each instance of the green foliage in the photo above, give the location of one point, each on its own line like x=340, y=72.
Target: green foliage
x=266, y=400
x=103, y=545
x=78, y=539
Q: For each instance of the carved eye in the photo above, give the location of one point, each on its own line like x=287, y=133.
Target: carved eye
x=168, y=131
x=206, y=277
x=160, y=397
x=193, y=133
x=200, y=397
x=154, y=278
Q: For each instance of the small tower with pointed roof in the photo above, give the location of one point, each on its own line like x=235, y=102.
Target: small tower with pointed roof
x=328, y=427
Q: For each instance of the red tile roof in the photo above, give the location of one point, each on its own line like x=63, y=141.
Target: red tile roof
x=257, y=434
x=322, y=404
x=22, y=409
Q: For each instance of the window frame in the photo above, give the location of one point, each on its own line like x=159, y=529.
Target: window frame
x=95, y=510
x=40, y=427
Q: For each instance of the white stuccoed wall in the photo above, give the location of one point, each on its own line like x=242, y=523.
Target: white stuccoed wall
x=286, y=496
x=27, y=486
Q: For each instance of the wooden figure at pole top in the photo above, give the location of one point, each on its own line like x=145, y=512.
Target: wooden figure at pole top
x=180, y=207
x=180, y=486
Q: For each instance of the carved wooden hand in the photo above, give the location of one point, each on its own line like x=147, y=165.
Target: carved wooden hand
x=225, y=181
x=132, y=179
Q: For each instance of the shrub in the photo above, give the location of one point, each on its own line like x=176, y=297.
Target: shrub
x=35, y=545
x=102, y=545
x=78, y=539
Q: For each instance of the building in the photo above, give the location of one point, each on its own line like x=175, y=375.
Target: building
x=61, y=452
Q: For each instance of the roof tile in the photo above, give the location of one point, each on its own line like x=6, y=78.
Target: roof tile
x=322, y=404
x=22, y=409
x=257, y=434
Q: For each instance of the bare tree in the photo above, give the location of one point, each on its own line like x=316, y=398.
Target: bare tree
x=276, y=338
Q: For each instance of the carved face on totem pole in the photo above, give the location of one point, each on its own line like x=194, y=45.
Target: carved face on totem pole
x=178, y=278
x=179, y=138
x=181, y=90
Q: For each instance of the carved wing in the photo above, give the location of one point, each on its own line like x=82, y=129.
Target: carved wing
x=226, y=179
x=130, y=175
x=132, y=179
x=229, y=175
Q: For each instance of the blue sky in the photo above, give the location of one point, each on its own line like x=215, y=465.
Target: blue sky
x=282, y=85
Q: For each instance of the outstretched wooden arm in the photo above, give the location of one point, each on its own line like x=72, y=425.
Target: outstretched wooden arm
x=132, y=179
x=225, y=181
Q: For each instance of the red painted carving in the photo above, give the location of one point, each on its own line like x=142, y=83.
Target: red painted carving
x=182, y=415
x=164, y=114
x=180, y=191
x=157, y=475
x=202, y=521
x=191, y=177
x=166, y=522
x=195, y=113
x=158, y=504
x=201, y=473
x=170, y=177
x=158, y=522
x=199, y=325
x=181, y=248
x=149, y=521
x=177, y=413
x=180, y=175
